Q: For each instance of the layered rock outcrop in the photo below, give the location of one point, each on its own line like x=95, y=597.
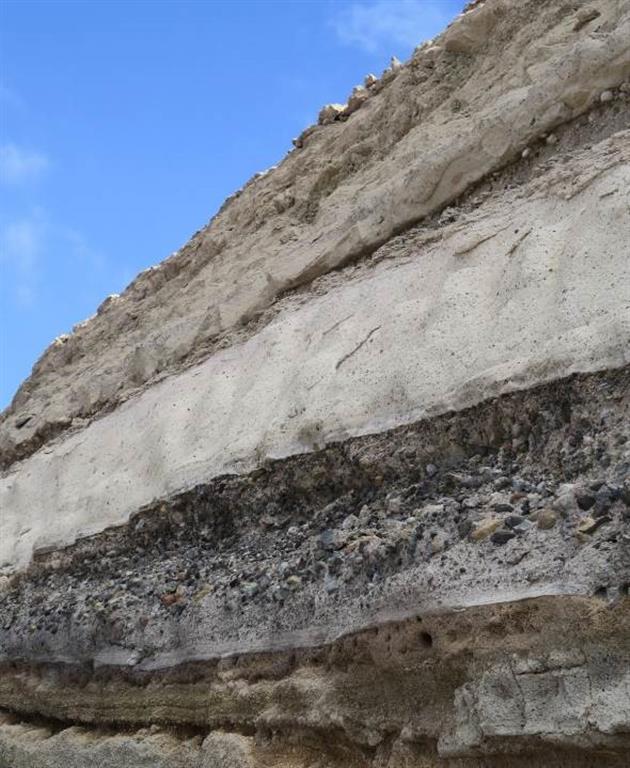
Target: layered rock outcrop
x=346, y=480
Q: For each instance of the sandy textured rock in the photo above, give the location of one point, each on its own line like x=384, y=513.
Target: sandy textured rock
x=515, y=281
x=345, y=482
x=28, y=746
x=497, y=686
x=446, y=120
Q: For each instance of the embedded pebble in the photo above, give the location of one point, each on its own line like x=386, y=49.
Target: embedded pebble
x=330, y=113
x=512, y=521
x=502, y=537
x=485, y=528
x=546, y=519
x=585, y=500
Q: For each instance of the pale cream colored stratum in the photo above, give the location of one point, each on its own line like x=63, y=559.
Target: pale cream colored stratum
x=464, y=105
x=532, y=285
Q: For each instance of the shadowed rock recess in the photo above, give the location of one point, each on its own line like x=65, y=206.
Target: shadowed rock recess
x=345, y=482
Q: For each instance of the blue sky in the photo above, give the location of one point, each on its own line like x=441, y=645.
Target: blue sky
x=124, y=125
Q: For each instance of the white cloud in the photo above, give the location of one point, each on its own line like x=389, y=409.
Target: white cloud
x=21, y=243
x=33, y=244
x=387, y=24
x=81, y=251
x=18, y=165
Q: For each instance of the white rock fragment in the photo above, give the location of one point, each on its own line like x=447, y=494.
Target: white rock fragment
x=606, y=96
x=395, y=65
x=107, y=302
x=330, y=113
x=358, y=96
x=432, y=52
x=422, y=47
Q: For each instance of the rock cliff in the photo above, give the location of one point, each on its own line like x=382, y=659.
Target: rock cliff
x=346, y=480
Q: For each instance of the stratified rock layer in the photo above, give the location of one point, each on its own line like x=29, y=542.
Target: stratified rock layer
x=345, y=481
x=531, y=285
x=502, y=75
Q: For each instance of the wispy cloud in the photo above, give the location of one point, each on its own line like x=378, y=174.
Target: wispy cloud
x=83, y=255
x=18, y=165
x=21, y=243
x=387, y=24
x=32, y=245
x=9, y=98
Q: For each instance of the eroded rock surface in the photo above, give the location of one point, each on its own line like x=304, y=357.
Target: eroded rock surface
x=502, y=76
x=346, y=481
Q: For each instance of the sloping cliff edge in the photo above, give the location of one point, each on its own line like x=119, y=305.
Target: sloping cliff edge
x=346, y=480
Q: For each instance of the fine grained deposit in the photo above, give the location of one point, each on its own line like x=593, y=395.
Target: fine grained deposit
x=346, y=480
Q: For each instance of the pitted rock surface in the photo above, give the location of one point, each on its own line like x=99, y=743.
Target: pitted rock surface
x=502, y=76
x=345, y=482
